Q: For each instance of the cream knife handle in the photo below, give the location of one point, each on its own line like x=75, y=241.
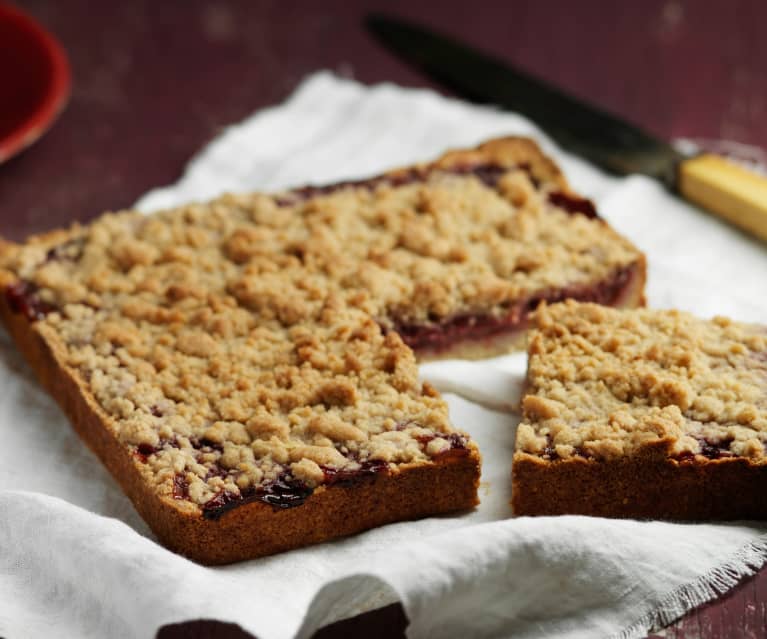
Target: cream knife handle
x=726, y=189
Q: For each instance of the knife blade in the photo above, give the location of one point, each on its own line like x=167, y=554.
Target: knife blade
x=605, y=139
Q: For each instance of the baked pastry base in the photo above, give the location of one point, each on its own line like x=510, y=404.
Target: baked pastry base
x=640, y=487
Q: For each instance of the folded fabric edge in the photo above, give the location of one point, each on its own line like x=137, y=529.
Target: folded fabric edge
x=744, y=563
x=346, y=598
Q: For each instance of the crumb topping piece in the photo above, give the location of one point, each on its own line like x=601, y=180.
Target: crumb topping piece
x=606, y=383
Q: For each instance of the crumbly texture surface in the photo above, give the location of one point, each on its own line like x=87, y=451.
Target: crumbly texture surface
x=606, y=383
x=244, y=347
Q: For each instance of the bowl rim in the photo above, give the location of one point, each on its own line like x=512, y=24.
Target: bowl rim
x=57, y=93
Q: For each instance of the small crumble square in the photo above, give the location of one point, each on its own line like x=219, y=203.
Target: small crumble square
x=679, y=402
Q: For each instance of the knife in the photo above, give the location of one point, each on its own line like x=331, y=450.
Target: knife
x=710, y=181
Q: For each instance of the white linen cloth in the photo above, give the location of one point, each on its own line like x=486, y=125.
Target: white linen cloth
x=76, y=561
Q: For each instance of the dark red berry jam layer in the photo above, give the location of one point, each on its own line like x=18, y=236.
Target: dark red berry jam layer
x=22, y=298
x=550, y=451
x=288, y=492
x=368, y=468
x=458, y=445
x=180, y=487
x=487, y=173
x=441, y=335
x=573, y=204
x=284, y=492
x=709, y=450
x=71, y=250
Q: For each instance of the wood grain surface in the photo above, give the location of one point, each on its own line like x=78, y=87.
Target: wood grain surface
x=154, y=81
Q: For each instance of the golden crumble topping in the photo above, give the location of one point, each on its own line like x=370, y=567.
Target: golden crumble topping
x=245, y=344
x=605, y=383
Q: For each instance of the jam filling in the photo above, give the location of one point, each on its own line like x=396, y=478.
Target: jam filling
x=487, y=173
x=143, y=451
x=71, y=250
x=22, y=298
x=550, y=452
x=573, y=204
x=303, y=193
x=283, y=492
x=709, y=450
x=180, y=487
x=367, y=469
x=441, y=335
x=458, y=445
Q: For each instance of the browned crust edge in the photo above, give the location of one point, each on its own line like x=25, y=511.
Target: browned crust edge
x=254, y=529
x=644, y=486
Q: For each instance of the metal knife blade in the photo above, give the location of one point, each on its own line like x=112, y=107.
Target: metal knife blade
x=605, y=139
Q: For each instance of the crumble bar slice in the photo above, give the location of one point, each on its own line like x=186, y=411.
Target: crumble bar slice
x=642, y=413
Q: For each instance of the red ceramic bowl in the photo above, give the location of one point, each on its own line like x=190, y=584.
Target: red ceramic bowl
x=35, y=80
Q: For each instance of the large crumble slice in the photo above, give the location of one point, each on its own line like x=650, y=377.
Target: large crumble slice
x=253, y=345
x=674, y=392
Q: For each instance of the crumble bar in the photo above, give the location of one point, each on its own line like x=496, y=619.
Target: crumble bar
x=244, y=368
x=642, y=413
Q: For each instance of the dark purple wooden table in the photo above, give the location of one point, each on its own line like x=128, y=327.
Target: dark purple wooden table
x=154, y=81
